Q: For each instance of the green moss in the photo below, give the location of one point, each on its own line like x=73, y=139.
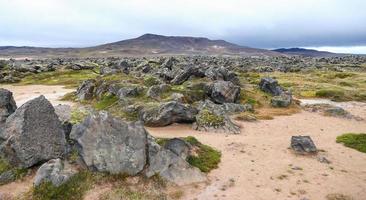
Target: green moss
x=105, y=102
x=150, y=81
x=77, y=116
x=73, y=189
x=353, y=140
x=71, y=78
x=71, y=96
x=207, y=158
x=208, y=118
x=4, y=165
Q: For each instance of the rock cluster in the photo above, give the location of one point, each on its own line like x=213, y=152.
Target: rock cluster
x=281, y=98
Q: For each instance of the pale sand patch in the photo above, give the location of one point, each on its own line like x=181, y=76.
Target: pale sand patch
x=17, y=188
x=25, y=93
x=259, y=161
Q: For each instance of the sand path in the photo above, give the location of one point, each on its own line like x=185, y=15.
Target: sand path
x=25, y=93
x=262, y=167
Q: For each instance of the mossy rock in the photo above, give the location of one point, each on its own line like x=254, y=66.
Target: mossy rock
x=208, y=118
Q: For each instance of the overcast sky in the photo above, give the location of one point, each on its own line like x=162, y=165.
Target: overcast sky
x=337, y=25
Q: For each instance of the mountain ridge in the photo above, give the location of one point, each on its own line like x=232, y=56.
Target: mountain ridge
x=144, y=45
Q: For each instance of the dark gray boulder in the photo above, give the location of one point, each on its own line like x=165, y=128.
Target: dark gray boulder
x=107, y=144
x=178, y=146
x=33, y=134
x=168, y=113
x=7, y=104
x=281, y=101
x=55, y=172
x=86, y=90
x=303, y=144
x=224, y=92
x=180, y=78
x=270, y=86
x=170, y=166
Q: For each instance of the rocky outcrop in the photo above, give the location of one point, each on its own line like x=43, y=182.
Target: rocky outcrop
x=7, y=104
x=33, y=134
x=107, y=144
x=168, y=113
x=221, y=73
x=170, y=166
x=86, y=90
x=303, y=145
x=223, y=92
x=55, y=172
x=270, y=86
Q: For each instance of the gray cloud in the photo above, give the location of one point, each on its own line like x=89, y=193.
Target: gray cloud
x=260, y=23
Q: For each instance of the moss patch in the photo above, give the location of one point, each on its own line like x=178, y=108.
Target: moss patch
x=73, y=189
x=77, y=116
x=106, y=102
x=70, y=78
x=353, y=140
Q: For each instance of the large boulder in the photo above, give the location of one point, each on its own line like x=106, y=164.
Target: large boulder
x=7, y=104
x=224, y=92
x=86, y=90
x=55, y=172
x=107, y=144
x=33, y=134
x=270, y=86
x=168, y=113
x=170, y=166
x=303, y=144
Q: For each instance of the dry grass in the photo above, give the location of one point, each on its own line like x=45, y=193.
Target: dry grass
x=268, y=113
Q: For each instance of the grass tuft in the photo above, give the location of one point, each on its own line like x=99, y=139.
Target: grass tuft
x=354, y=141
x=106, y=102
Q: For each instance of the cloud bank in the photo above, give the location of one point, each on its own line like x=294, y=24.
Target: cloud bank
x=260, y=23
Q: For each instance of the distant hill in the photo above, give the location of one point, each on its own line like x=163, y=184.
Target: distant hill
x=306, y=52
x=148, y=44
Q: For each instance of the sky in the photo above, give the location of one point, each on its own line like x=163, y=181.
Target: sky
x=336, y=25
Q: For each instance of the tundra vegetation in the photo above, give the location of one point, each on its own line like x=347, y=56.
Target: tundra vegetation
x=117, y=95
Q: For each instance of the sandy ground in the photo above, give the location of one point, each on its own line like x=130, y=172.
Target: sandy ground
x=258, y=164
x=25, y=93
